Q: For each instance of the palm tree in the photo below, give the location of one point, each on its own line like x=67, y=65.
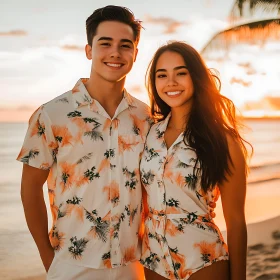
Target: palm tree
x=252, y=32
x=241, y=6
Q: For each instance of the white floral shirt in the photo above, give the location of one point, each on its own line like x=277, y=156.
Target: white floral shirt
x=180, y=236
x=94, y=180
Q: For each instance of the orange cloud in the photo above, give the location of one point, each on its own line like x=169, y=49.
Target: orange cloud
x=170, y=24
x=20, y=114
x=136, y=89
x=14, y=33
x=248, y=66
x=72, y=48
x=269, y=103
x=240, y=81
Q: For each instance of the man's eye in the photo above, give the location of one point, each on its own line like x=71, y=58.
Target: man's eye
x=105, y=44
x=126, y=46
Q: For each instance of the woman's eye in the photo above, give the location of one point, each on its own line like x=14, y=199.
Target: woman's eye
x=182, y=73
x=161, y=76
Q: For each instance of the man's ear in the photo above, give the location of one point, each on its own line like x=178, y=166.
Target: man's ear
x=136, y=52
x=88, y=51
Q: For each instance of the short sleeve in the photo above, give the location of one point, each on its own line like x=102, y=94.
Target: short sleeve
x=39, y=146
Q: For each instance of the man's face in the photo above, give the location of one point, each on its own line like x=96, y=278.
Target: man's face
x=113, y=51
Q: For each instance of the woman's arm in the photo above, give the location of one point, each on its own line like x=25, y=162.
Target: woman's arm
x=233, y=192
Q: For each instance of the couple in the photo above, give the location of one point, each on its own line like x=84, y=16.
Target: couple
x=96, y=144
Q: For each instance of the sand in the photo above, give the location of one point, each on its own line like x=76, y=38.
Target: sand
x=263, y=261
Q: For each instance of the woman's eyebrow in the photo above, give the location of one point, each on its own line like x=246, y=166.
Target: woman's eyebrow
x=176, y=68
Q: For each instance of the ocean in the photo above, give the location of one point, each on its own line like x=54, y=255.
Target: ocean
x=18, y=253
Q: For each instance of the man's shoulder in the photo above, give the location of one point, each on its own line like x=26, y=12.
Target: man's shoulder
x=59, y=101
x=140, y=105
x=59, y=105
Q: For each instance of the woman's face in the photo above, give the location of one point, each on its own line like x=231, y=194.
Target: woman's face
x=173, y=81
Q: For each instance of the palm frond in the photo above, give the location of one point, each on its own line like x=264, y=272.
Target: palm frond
x=63, y=100
x=84, y=158
x=101, y=229
x=256, y=32
x=243, y=7
x=94, y=135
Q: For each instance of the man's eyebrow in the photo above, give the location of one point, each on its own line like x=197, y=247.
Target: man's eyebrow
x=111, y=39
x=105, y=38
x=176, y=68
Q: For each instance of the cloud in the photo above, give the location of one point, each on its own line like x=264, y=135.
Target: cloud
x=273, y=101
x=240, y=81
x=14, y=33
x=268, y=103
x=72, y=48
x=170, y=24
x=136, y=89
x=248, y=67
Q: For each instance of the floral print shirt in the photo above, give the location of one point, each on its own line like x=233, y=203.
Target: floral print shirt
x=94, y=180
x=180, y=237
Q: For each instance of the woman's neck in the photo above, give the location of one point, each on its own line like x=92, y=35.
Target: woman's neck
x=179, y=119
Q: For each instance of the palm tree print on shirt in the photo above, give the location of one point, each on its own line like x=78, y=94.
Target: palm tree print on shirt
x=105, y=163
x=100, y=226
x=116, y=227
x=39, y=130
x=107, y=260
x=147, y=177
x=151, y=153
x=31, y=154
x=94, y=134
x=56, y=239
x=131, y=181
x=73, y=206
x=191, y=180
x=131, y=213
x=78, y=247
x=151, y=261
x=67, y=176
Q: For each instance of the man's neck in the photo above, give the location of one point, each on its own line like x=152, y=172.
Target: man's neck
x=108, y=94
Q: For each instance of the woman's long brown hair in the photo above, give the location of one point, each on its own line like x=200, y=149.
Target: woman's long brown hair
x=211, y=119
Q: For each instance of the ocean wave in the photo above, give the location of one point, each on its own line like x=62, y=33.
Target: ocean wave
x=264, y=180
x=265, y=165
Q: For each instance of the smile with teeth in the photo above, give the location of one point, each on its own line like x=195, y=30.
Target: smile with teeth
x=173, y=92
x=115, y=65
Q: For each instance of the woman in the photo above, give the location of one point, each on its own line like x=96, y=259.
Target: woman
x=193, y=153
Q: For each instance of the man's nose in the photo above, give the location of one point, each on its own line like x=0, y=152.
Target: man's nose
x=115, y=53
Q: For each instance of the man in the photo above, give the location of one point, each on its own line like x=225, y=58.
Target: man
x=87, y=143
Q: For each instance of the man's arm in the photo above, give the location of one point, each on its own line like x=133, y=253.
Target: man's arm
x=35, y=210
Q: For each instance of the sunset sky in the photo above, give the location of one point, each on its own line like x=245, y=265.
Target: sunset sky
x=42, y=51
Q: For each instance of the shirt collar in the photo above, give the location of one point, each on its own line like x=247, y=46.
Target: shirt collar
x=80, y=94
x=163, y=126
x=81, y=97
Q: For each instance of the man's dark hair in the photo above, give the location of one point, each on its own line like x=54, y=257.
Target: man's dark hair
x=112, y=13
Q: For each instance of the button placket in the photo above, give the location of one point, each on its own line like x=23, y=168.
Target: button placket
x=115, y=246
